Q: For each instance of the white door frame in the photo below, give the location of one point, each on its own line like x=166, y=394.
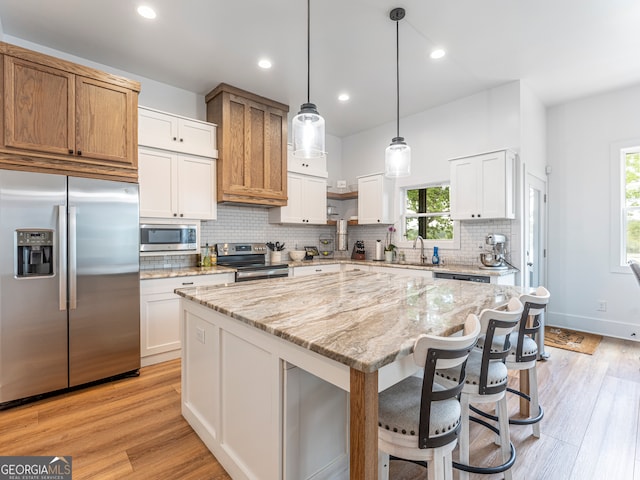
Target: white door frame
x=539, y=184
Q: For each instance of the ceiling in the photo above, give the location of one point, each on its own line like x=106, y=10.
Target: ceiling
x=562, y=49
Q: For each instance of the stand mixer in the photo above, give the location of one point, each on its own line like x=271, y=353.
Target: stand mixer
x=494, y=259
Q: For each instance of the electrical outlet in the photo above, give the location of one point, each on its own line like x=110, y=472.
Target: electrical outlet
x=200, y=334
x=602, y=306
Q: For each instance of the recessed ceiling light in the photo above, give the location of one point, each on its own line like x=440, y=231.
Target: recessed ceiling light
x=146, y=11
x=437, y=53
x=264, y=63
x=343, y=97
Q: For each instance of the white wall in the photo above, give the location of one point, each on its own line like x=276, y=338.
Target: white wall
x=579, y=136
x=153, y=94
x=484, y=122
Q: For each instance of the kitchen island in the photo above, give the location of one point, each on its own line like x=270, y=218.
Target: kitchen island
x=354, y=330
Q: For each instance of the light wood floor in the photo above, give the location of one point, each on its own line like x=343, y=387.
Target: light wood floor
x=133, y=429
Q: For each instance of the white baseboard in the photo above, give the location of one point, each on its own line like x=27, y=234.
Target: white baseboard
x=607, y=328
x=160, y=357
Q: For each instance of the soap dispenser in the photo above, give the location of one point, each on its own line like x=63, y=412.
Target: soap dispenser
x=435, y=259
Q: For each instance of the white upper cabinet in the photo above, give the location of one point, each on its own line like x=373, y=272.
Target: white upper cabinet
x=172, y=132
x=375, y=199
x=306, y=201
x=173, y=185
x=315, y=166
x=482, y=186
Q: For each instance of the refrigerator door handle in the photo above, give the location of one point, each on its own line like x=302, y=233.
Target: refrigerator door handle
x=62, y=256
x=72, y=259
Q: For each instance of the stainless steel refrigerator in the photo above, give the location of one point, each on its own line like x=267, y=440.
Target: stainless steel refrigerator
x=69, y=282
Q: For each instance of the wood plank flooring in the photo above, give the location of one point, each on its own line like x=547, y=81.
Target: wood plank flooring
x=133, y=429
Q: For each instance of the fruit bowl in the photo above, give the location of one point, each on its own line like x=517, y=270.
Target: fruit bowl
x=297, y=255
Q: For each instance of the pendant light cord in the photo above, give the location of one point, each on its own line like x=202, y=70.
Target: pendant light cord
x=308, y=49
x=397, y=78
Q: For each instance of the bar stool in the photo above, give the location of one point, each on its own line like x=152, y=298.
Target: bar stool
x=418, y=419
x=635, y=267
x=486, y=382
x=523, y=355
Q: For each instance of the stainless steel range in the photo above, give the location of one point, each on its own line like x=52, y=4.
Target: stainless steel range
x=249, y=259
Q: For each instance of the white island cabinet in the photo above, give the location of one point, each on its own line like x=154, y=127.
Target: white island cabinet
x=259, y=415
x=160, y=314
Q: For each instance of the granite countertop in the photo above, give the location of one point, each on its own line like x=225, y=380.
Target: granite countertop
x=464, y=269
x=183, y=272
x=364, y=320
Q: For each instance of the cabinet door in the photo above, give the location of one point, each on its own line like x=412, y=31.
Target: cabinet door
x=157, y=129
x=197, y=138
x=38, y=107
x=196, y=187
x=314, y=200
x=107, y=119
x=158, y=191
x=254, y=156
x=292, y=212
x=493, y=175
x=159, y=323
x=374, y=200
x=464, y=190
x=316, y=166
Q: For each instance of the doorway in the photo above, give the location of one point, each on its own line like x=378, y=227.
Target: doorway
x=535, y=231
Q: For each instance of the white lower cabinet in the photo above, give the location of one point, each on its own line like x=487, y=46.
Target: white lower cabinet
x=315, y=269
x=160, y=338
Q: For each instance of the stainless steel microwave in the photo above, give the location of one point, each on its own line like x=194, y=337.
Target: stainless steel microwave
x=168, y=237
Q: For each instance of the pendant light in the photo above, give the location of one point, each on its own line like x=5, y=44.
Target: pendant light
x=308, y=125
x=397, y=156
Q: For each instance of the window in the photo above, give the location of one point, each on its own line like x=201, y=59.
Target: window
x=625, y=204
x=630, y=166
x=427, y=213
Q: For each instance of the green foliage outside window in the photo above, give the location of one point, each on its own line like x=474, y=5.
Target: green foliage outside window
x=632, y=204
x=427, y=213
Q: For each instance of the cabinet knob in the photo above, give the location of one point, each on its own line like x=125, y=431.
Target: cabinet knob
x=175, y=214
x=473, y=215
x=478, y=215
x=70, y=152
x=175, y=138
x=182, y=140
x=79, y=152
x=182, y=215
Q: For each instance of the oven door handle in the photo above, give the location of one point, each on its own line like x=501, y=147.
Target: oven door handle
x=271, y=272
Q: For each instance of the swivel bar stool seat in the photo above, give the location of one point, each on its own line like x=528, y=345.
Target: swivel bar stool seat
x=486, y=382
x=418, y=419
x=523, y=355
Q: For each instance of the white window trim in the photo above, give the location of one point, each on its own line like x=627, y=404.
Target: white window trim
x=402, y=242
x=616, y=175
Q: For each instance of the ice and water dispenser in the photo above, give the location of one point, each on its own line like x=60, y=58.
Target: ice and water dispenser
x=34, y=253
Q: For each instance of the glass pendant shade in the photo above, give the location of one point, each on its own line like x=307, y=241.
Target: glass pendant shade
x=308, y=132
x=397, y=159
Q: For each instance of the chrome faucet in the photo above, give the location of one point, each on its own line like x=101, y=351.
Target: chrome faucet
x=422, y=257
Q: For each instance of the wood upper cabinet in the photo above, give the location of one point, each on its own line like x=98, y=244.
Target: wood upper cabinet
x=65, y=118
x=252, y=146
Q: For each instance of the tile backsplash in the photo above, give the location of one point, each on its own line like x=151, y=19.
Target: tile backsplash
x=251, y=224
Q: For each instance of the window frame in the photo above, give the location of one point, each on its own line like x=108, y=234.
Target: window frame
x=619, y=209
x=453, y=244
